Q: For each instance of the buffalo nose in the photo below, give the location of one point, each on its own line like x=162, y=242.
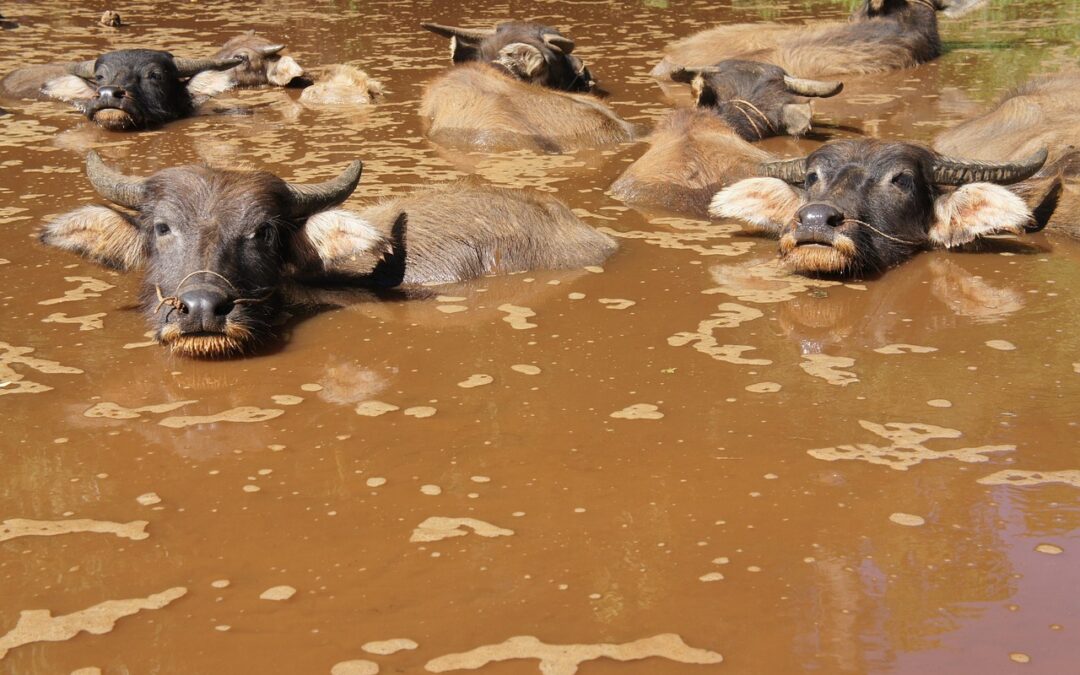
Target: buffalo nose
x=110, y=92
x=819, y=215
x=205, y=305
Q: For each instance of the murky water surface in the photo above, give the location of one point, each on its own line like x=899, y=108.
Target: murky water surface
x=683, y=455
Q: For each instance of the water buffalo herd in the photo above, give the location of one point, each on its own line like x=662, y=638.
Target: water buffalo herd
x=220, y=248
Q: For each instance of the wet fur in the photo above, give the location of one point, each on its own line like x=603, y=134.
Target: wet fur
x=342, y=85
x=476, y=106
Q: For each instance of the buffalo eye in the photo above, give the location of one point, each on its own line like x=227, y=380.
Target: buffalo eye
x=264, y=233
x=162, y=229
x=811, y=178
x=99, y=78
x=153, y=75
x=904, y=180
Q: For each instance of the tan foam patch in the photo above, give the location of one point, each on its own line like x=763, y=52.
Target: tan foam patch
x=22, y=527
x=729, y=315
x=88, y=287
x=438, y=528
x=694, y=240
x=525, y=369
x=1049, y=549
x=388, y=647
x=762, y=283
x=518, y=317
x=565, y=659
x=86, y=322
x=374, y=408
x=12, y=382
x=477, y=380
x=764, y=388
x=829, y=368
x=242, y=414
x=901, y=348
x=287, y=399
x=115, y=411
x=278, y=593
x=420, y=411
x=638, y=411
x=39, y=625
x=907, y=519
x=616, y=303
x=1025, y=478
x=907, y=446
x=1001, y=345
x=355, y=667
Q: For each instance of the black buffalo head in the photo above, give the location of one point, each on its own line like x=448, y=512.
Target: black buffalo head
x=858, y=207
x=140, y=88
x=529, y=51
x=756, y=99
x=216, y=245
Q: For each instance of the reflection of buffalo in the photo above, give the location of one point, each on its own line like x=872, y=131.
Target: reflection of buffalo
x=881, y=35
x=126, y=89
x=1043, y=113
x=694, y=153
x=223, y=244
x=530, y=52
x=854, y=208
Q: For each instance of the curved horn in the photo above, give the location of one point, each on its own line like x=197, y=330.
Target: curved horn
x=83, y=69
x=560, y=42
x=787, y=170
x=305, y=200
x=819, y=88
x=113, y=185
x=190, y=67
x=948, y=171
x=270, y=50
x=467, y=34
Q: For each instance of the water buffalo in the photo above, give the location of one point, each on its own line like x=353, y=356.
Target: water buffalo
x=342, y=85
x=1043, y=113
x=694, y=153
x=530, y=52
x=881, y=35
x=126, y=89
x=858, y=207
x=479, y=107
x=262, y=62
x=221, y=248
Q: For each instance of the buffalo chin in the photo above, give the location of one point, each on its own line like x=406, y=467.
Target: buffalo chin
x=236, y=340
x=114, y=119
x=837, y=258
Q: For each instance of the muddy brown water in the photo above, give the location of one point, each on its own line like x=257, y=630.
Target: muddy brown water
x=879, y=476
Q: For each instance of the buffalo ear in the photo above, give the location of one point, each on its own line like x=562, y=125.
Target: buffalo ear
x=766, y=205
x=99, y=233
x=704, y=95
x=463, y=50
x=68, y=88
x=210, y=83
x=977, y=210
x=523, y=60
x=337, y=243
x=796, y=118
x=283, y=71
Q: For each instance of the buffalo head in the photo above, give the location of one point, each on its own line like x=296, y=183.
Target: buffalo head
x=139, y=88
x=530, y=52
x=216, y=245
x=263, y=63
x=757, y=100
x=858, y=207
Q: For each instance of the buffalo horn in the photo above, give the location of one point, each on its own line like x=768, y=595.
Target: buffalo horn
x=306, y=200
x=83, y=69
x=270, y=50
x=466, y=34
x=560, y=42
x=948, y=171
x=113, y=185
x=803, y=87
x=787, y=170
x=191, y=67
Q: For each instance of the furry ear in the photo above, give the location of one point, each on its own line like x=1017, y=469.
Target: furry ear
x=463, y=50
x=338, y=242
x=766, y=205
x=704, y=95
x=796, y=118
x=68, y=88
x=524, y=61
x=283, y=71
x=210, y=83
x=976, y=210
x=99, y=233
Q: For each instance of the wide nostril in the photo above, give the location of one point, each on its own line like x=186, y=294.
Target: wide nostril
x=820, y=215
x=206, y=303
x=111, y=92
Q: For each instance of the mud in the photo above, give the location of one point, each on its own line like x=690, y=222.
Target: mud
x=689, y=403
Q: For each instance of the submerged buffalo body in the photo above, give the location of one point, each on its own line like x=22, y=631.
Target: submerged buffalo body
x=262, y=62
x=221, y=248
x=529, y=52
x=474, y=105
x=856, y=208
x=694, y=153
x=126, y=89
x=1043, y=113
x=881, y=35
